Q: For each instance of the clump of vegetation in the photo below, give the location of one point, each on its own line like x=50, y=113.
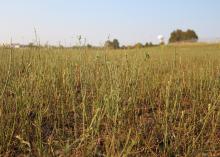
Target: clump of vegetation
x=112, y=44
x=71, y=102
x=138, y=46
x=115, y=45
x=181, y=36
x=150, y=44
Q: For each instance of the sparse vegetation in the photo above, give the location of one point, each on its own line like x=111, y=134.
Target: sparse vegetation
x=159, y=101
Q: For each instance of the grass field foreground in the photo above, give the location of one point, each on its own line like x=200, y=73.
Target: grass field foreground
x=161, y=101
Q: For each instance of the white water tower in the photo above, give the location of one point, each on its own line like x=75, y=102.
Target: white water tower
x=161, y=38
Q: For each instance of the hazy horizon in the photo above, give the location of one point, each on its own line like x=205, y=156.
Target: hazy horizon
x=128, y=21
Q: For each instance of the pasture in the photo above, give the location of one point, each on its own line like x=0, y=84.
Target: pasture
x=159, y=101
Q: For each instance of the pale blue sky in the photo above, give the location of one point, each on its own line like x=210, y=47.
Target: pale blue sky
x=130, y=21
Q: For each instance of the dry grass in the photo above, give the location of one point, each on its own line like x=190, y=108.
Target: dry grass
x=110, y=103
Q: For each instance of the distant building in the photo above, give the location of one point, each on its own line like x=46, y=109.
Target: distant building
x=15, y=45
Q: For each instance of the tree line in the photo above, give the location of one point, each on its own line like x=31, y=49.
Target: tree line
x=114, y=44
x=176, y=36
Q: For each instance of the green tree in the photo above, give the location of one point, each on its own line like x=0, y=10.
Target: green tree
x=138, y=45
x=89, y=46
x=151, y=44
x=191, y=35
x=31, y=44
x=147, y=44
x=116, y=44
x=108, y=44
x=112, y=44
x=179, y=36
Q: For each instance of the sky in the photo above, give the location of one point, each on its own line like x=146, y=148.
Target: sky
x=129, y=21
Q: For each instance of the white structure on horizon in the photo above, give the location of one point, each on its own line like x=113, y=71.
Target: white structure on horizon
x=12, y=45
x=15, y=45
x=161, y=38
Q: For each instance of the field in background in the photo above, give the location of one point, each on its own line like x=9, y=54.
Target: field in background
x=162, y=101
